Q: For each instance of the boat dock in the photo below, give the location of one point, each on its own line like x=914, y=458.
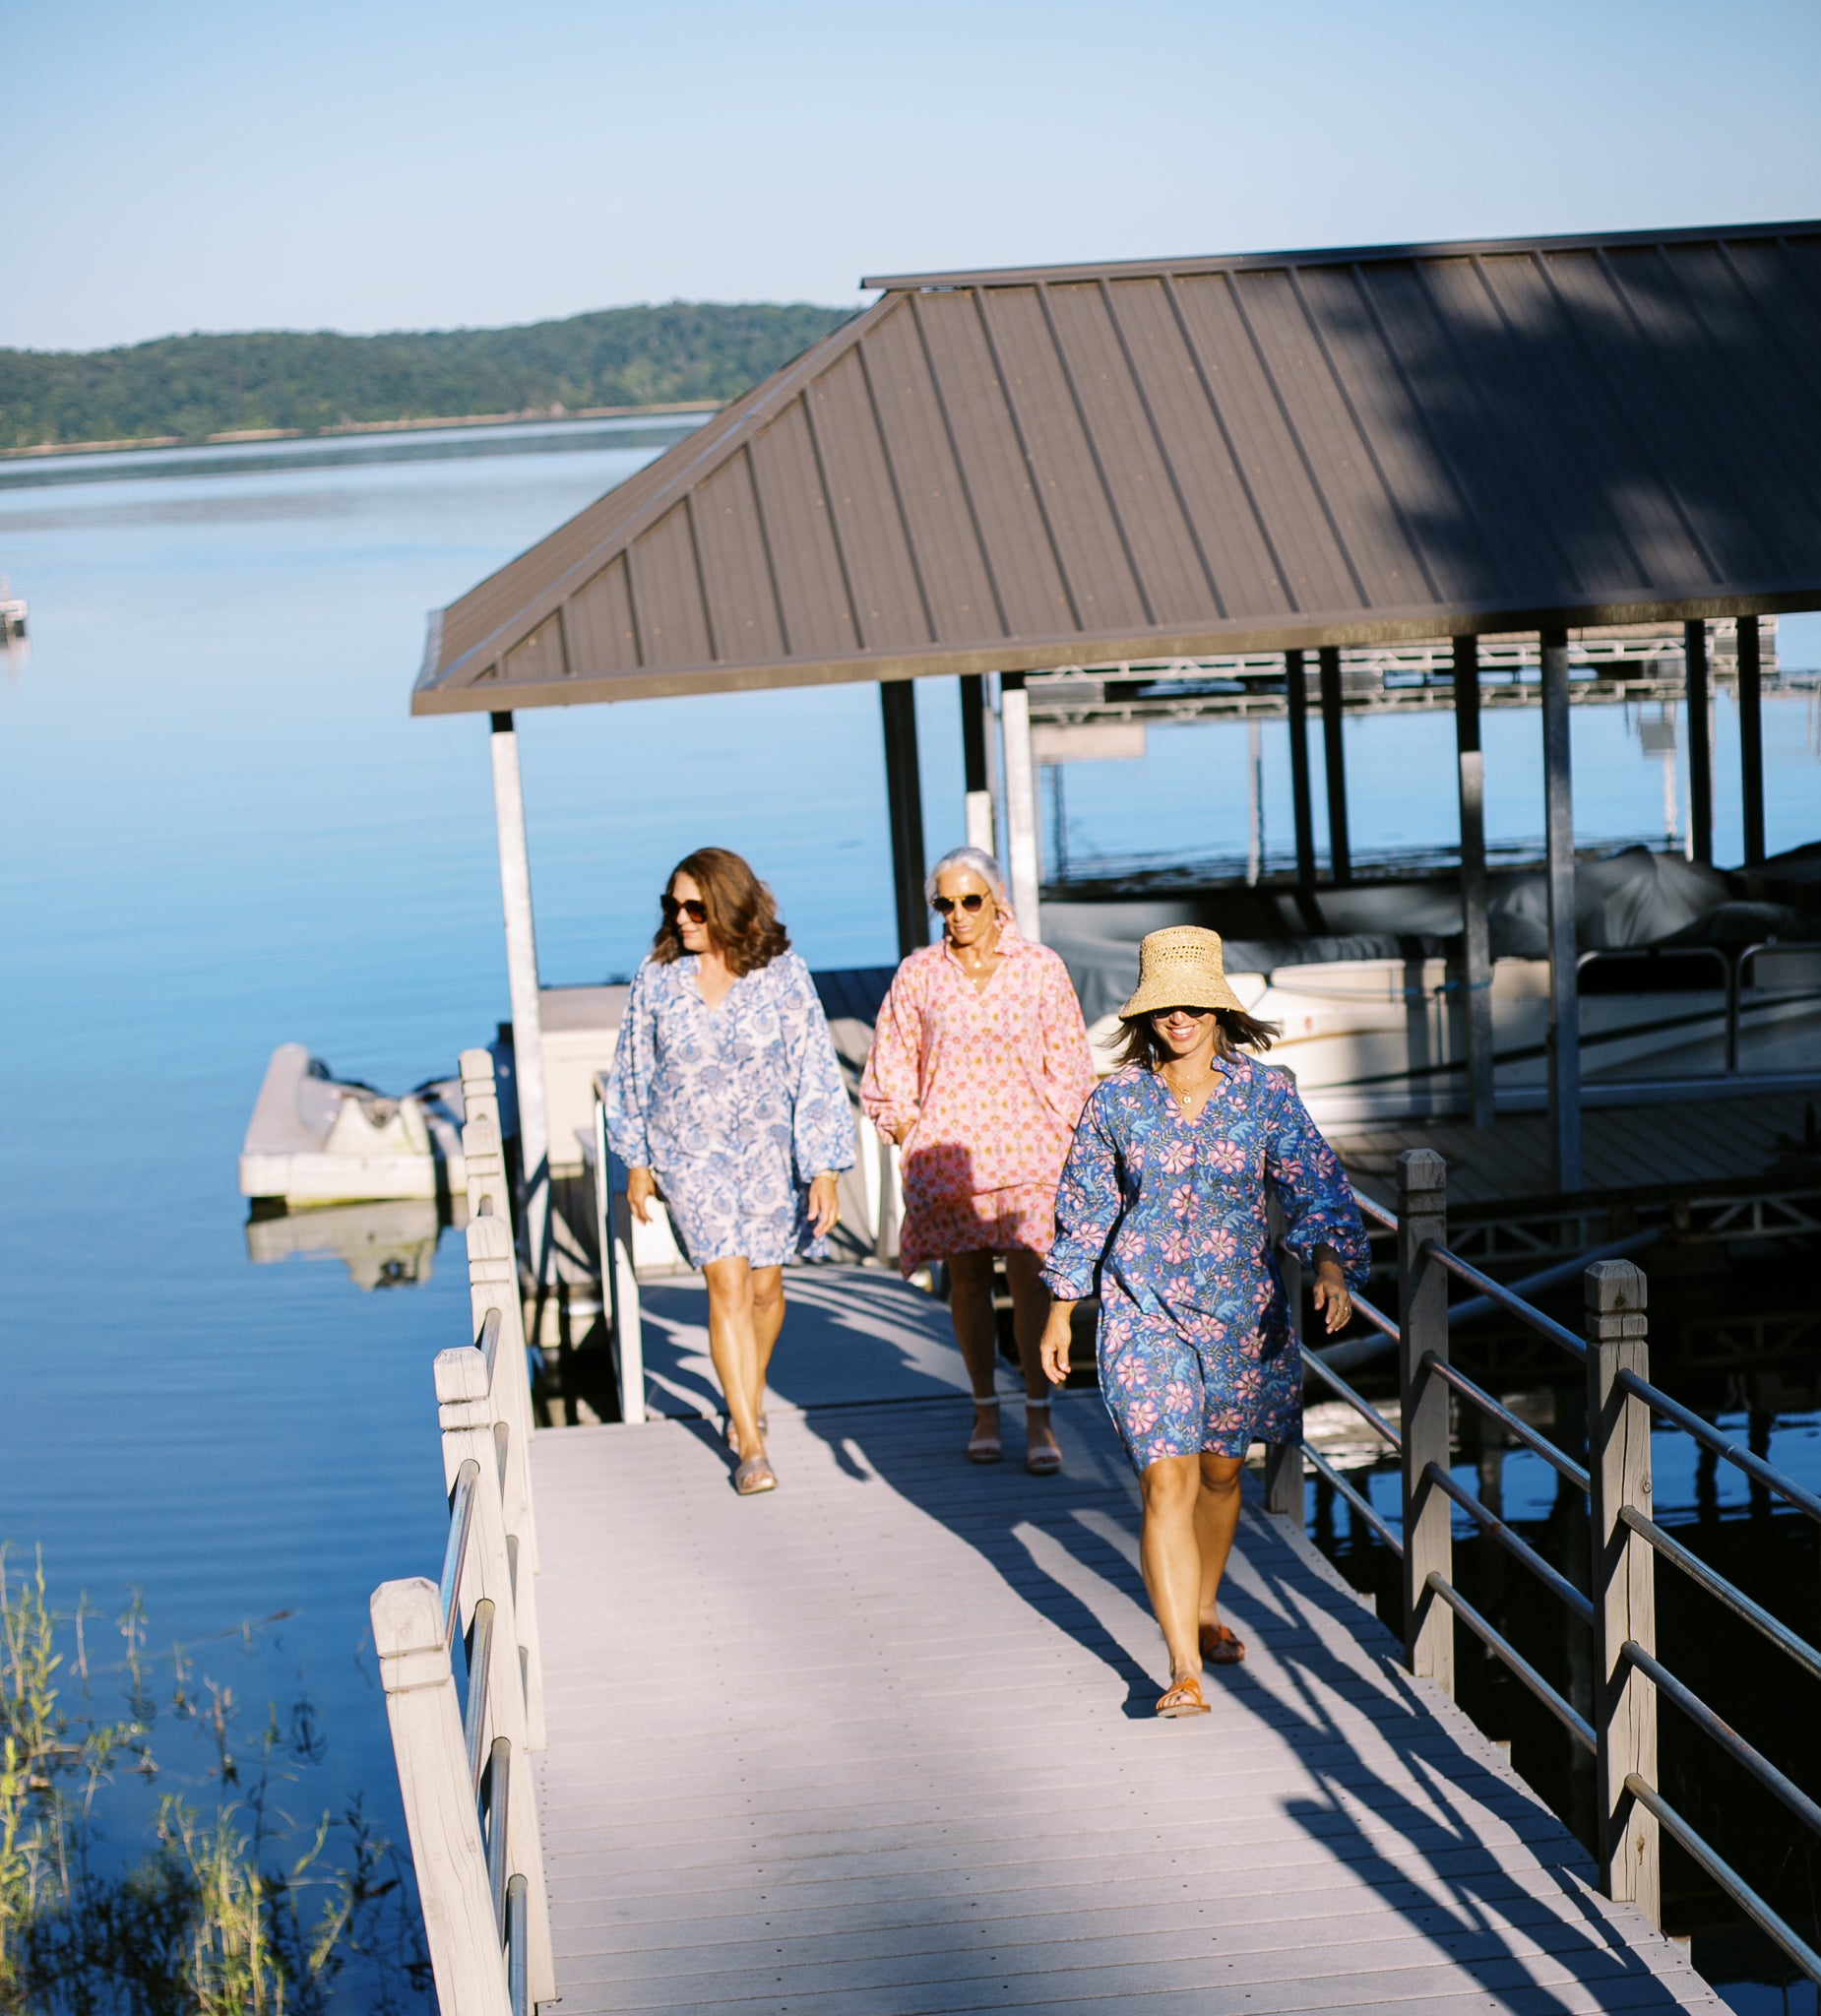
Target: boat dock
x=883, y=1741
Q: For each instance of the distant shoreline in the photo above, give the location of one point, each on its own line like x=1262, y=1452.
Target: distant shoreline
x=342, y=429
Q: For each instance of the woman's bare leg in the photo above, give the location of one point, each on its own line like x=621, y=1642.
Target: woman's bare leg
x=977, y=1331
x=1023, y=1271
x=733, y=1345
x=1217, y=1520
x=1170, y=1556
x=768, y=1319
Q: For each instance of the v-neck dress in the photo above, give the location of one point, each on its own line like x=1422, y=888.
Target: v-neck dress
x=993, y=1079
x=1197, y=1352
x=735, y=1109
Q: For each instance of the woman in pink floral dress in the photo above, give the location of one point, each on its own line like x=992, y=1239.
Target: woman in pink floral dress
x=978, y=1071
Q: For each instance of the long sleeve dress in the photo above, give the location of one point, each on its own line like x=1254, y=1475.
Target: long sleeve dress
x=1197, y=1349
x=737, y=1108
x=993, y=1079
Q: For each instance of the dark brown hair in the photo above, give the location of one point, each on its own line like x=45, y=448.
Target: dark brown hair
x=1143, y=1045
x=742, y=920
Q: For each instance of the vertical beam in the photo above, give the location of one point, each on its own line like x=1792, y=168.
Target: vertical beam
x=515, y=883
x=1296, y=703
x=976, y=781
x=1340, y=852
x=1618, y=1437
x=1476, y=934
x=1700, y=744
x=1752, y=737
x=1022, y=865
x=1422, y=1340
x=903, y=792
x=1564, y=992
x=1283, y=1491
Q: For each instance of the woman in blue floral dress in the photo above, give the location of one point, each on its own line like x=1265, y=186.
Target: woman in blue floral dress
x=1164, y=1200
x=726, y=1099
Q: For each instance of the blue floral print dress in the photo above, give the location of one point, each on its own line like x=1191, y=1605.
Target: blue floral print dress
x=1197, y=1353
x=737, y=1108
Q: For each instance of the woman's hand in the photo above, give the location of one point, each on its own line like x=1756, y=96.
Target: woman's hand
x=903, y=1131
x=1335, y=1305
x=1058, y=1334
x=824, y=1208
x=641, y=1188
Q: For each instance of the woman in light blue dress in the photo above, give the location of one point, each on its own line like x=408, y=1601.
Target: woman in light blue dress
x=725, y=1100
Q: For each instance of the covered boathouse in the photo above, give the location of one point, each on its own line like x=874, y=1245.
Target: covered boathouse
x=880, y=1743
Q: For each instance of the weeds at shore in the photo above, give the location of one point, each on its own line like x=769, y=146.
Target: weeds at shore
x=238, y=1912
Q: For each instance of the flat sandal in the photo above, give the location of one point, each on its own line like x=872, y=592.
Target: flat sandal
x=1183, y=1697
x=753, y=1474
x=985, y=1445
x=1041, y=1462
x=1219, y=1646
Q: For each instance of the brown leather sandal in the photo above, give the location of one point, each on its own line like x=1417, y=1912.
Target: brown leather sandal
x=1183, y=1697
x=1219, y=1646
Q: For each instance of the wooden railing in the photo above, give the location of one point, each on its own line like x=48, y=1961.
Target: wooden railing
x=464, y=1756
x=1619, y=1613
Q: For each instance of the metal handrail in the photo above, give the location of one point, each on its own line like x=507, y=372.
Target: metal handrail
x=517, y=1967
x=499, y=1804
x=1358, y=1401
x=1370, y=1208
x=1495, y=1529
x=455, y=1550
x=1724, y=1876
x=1497, y=1291
x=1570, y=1719
x=1709, y=1437
x=1375, y=1317
x=1325, y=1469
x=487, y=1342
x=1722, y=1591
x=479, y=1671
x=1509, y=1421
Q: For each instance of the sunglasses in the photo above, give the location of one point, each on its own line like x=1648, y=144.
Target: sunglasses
x=1170, y=1014
x=946, y=906
x=690, y=907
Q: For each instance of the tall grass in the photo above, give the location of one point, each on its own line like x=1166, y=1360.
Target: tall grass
x=220, y=1914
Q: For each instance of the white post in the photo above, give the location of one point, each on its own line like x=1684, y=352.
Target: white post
x=1019, y=806
x=514, y=882
x=467, y=1957
x=493, y=1284
x=619, y=1285
x=514, y=1675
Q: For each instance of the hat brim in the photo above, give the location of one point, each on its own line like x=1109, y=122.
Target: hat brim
x=1172, y=990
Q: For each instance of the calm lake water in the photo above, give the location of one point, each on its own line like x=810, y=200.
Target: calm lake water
x=221, y=830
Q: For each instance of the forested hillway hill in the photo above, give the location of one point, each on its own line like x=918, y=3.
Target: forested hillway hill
x=190, y=388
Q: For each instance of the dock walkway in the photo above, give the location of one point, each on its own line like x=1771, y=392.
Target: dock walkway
x=882, y=1742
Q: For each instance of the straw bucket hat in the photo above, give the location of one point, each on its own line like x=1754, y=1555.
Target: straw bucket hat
x=1181, y=967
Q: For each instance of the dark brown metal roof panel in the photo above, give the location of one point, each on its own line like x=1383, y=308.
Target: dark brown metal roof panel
x=1088, y=464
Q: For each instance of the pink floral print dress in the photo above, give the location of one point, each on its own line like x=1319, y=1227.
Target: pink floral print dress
x=994, y=1079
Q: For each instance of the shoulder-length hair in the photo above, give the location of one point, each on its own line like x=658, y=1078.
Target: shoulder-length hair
x=1233, y=1030
x=742, y=919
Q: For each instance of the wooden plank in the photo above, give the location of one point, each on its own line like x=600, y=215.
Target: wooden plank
x=881, y=1741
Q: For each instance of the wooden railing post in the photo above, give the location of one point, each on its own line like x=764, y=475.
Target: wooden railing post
x=1283, y=1460
x=1422, y=1332
x=1619, y=1436
x=620, y=1282
x=447, y=1851
x=493, y=1285
x=515, y=1679
x=482, y=1153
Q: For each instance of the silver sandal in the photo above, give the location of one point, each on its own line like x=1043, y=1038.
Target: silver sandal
x=1041, y=1462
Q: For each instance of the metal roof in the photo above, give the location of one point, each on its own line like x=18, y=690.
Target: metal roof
x=1075, y=465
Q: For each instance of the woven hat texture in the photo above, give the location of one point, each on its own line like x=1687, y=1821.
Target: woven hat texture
x=1181, y=967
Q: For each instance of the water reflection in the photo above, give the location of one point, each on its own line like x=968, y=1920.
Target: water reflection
x=391, y=1243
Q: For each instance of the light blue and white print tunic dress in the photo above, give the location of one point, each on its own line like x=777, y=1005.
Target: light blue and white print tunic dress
x=737, y=1108
x=1197, y=1353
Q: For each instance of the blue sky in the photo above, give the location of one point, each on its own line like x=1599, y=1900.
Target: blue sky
x=397, y=164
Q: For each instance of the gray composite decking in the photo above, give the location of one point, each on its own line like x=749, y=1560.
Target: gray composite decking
x=882, y=1740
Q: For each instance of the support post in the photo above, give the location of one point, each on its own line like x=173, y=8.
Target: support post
x=1751, y=737
x=1340, y=851
x=493, y=1290
x=1625, y=1581
x=1476, y=935
x=904, y=793
x=1022, y=866
x=619, y=1278
x=1422, y=1340
x=514, y=1671
x=514, y=882
x=1297, y=708
x=1283, y=1460
x=483, y=1155
x=447, y=1851
x=976, y=781
x=1699, y=690
x=1564, y=990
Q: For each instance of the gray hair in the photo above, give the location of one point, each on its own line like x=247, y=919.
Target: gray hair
x=974, y=857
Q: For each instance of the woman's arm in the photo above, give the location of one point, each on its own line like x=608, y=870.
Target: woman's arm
x=629, y=1077
x=821, y=1118
x=1087, y=1205
x=1322, y=1223
x=891, y=1095
x=1067, y=1062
